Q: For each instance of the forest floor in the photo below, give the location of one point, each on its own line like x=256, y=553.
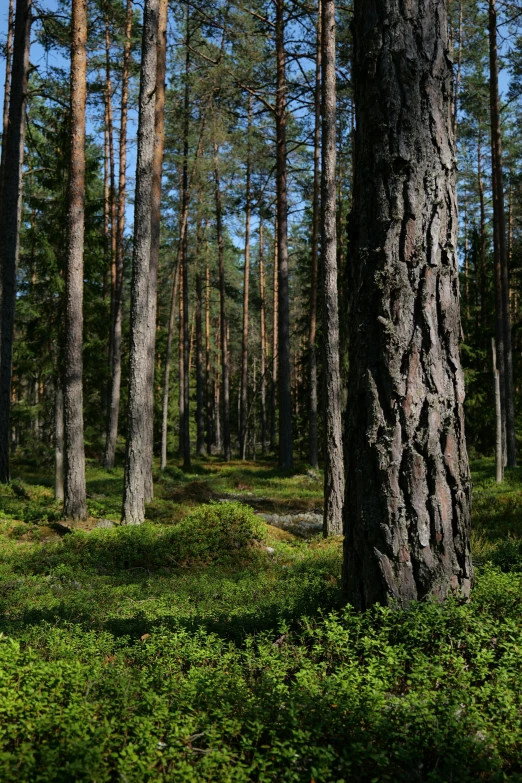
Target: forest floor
x=207, y=645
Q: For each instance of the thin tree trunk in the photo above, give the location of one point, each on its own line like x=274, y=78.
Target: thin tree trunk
x=7, y=88
x=168, y=356
x=181, y=361
x=312, y=348
x=458, y=74
x=200, y=381
x=334, y=463
x=262, y=295
x=157, y=166
x=10, y=216
x=286, y=460
x=407, y=522
x=483, y=238
x=499, y=218
x=75, y=502
x=223, y=319
x=186, y=364
x=136, y=463
x=246, y=284
x=114, y=402
x=58, y=440
x=275, y=341
x=208, y=382
x=499, y=456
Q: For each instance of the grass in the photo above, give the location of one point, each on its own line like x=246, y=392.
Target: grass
x=207, y=646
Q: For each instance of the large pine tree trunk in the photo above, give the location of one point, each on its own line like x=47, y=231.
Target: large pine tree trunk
x=10, y=215
x=115, y=353
x=208, y=379
x=136, y=463
x=501, y=256
x=312, y=348
x=227, y=452
x=75, y=502
x=334, y=464
x=286, y=460
x=243, y=408
x=408, y=491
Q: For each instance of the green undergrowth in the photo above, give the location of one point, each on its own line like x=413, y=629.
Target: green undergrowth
x=216, y=649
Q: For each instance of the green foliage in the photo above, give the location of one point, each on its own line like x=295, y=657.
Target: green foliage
x=191, y=652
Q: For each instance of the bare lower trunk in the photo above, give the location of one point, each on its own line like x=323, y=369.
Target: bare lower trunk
x=499, y=218
x=334, y=463
x=58, y=441
x=208, y=381
x=407, y=519
x=186, y=367
x=499, y=456
x=7, y=88
x=483, y=237
x=200, y=381
x=75, y=502
x=246, y=283
x=10, y=216
x=286, y=460
x=223, y=319
x=157, y=166
x=312, y=348
x=137, y=456
x=262, y=316
x=168, y=358
x=273, y=390
x=181, y=364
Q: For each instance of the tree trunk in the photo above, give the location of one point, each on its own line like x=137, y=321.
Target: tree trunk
x=157, y=166
x=58, y=440
x=246, y=283
x=483, y=237
x=115, y=353
x=208, y=381
x=75, y=502
x=334, y=463
x=312, y=348
x=286, y=460
x=13, y=143
x=181, y=364
x=168, y=356
x=186, y=363
x=407, y=522
x=499, y=455
x=263, y=339
x=200, y=381
x=223, y=319
x=7, y=88
x=136, y=463
x=501, y=257
x=275, y=299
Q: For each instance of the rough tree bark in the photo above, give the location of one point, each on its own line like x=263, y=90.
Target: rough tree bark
x=312, y=333
x=334, y=463
x=136, y=462
x=115, y=354
x=407, y=515
x=262, y=327
x=286, y=459
x=227, y=452
x=10, y=215
x=243, y=408
x=75, y=500
x=501, y=256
